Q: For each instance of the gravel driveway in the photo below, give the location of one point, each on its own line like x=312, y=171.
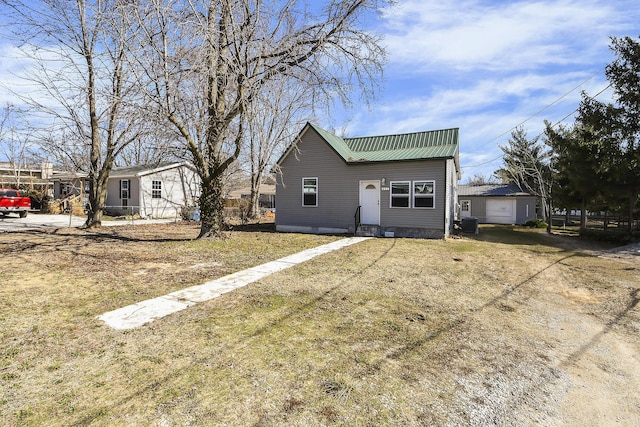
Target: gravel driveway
x=36, y=221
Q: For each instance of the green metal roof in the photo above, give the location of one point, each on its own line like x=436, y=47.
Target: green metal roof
x=409, y=146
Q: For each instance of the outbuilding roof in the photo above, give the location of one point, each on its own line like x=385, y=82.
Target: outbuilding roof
x=491, y=190
x=437, y=144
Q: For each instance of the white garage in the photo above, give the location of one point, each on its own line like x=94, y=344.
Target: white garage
x=501, y=211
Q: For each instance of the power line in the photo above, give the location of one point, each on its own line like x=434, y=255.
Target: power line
x=576, y=109
x=537, y=113
x=547, y=107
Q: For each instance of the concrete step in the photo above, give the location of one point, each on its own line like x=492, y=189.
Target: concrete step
x=368, y=231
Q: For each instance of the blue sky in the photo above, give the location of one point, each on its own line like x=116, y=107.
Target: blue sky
x=480, y=65
x=487, y=66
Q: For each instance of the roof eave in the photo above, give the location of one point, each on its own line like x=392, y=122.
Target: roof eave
x=161, y=168
x=416, y=159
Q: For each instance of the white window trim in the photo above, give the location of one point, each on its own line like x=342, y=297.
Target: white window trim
x=316, y=192
x=408, y=195
x=154, y=190
x=432, y=195
x=411, y=196
x=128, y=189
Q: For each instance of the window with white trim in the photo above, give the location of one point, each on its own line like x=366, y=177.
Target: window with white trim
x=124, y=189
x=400, y=194
x=465, y=207
x=66, y=188
x=310, y=192
x=424, y=194
x=156, y=189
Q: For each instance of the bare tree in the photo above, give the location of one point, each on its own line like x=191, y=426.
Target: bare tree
x=208, y=61
x=5, y=116
x=154, y=146
x=15, y=141
x=527, y=162
x=479, y=179
x=80, y=48
x=273, y=120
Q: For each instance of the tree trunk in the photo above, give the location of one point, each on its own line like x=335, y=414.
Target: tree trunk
x=550, y=218
x=583, y=214
x=254, y=200
x=94, y=218
x=97, y=198
x=545, y=210
x=211, y=208
x=632, y=200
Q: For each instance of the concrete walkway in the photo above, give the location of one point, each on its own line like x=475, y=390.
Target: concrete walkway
x=135, y=315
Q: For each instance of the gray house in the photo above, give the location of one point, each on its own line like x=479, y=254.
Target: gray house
x=394, y=185
x=497, y=203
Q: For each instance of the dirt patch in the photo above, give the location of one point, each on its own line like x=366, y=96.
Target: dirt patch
x=581, y=296
x=629, y=253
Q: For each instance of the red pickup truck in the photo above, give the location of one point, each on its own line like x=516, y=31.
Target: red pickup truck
x=12, y=202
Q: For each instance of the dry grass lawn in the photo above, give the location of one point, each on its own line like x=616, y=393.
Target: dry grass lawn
x=508, y=327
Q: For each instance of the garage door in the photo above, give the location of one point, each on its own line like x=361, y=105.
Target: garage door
x=501, y=211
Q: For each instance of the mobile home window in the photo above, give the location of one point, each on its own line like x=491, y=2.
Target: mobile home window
x=423, y=194
x=309, y=191
x=400, y=194
x=124, y=189
x=156, y=189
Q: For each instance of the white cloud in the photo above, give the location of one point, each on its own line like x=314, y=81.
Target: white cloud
x=488, y=66
x=517, y=96
x=498, y=36
x=12, y=66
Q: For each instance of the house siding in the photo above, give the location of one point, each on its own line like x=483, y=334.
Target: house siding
x=338, y=190
x=478, y=207
x=177, y=190
x=524, y=214
x=114, y=203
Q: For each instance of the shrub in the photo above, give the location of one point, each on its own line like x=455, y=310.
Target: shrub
x=535, y=223
x=611, y=235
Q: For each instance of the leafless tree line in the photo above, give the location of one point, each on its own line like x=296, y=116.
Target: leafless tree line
x=213, y=81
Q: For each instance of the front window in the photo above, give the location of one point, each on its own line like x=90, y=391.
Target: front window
x=310, y=192
x=156, y=189
x=400, y=194
x=124, y=189
x=423, y=192
x=65, y=188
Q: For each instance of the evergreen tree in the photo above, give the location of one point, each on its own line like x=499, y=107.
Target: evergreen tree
x=616, y=126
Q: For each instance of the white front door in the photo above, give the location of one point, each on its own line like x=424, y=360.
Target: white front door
x=370, y=202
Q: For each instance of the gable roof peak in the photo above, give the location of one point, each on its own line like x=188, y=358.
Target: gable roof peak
x=441, y=143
